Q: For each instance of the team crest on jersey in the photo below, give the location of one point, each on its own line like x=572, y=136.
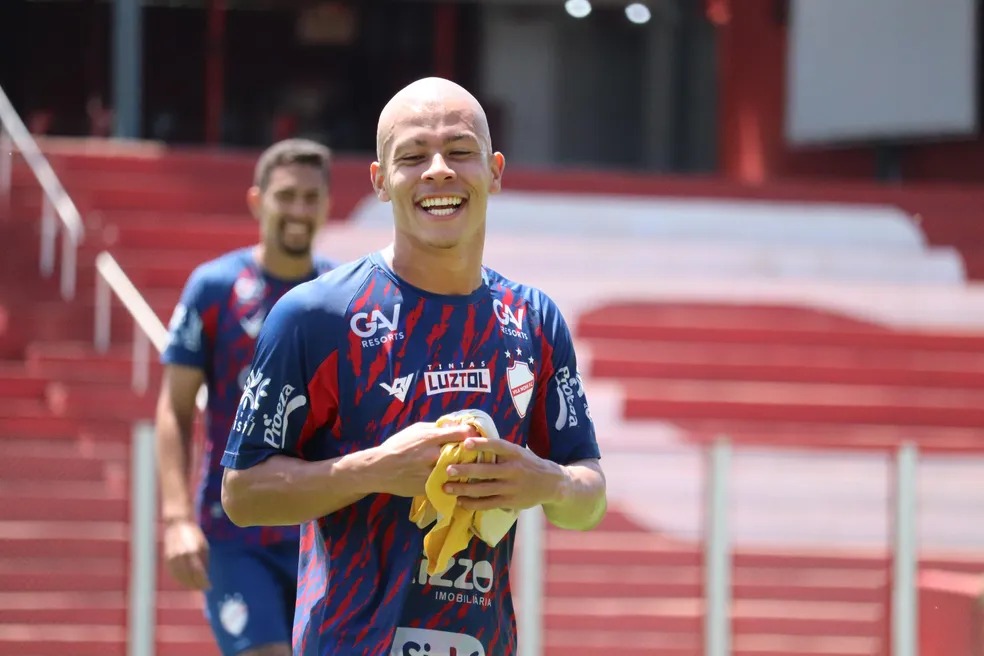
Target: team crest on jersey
x=520, y=377
x=248, y=289
x=233, y=615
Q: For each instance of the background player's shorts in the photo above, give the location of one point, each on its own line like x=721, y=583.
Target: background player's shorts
x=251, y=602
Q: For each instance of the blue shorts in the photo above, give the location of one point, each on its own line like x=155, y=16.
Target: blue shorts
x=251, y=601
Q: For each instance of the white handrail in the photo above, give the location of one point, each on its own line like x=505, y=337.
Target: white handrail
x=717, y=551
x=148, y=330
x=111, y=277
x=55, y=200
x=905, y=562
x=142, y=606
x=532, y=540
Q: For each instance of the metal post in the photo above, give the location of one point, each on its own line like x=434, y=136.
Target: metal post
x=103, y=314
x=49, y=231
x=143, y=542
x=532, y=544
x=717, y=554
x=905, y=617
x=127, y=64
x=141, y=359
x=68, y=265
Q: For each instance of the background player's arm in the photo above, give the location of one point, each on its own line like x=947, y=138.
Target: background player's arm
x=175, y=418
x=185, y=547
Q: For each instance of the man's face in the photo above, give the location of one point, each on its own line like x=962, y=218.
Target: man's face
x=438, y=172
x=291, y=209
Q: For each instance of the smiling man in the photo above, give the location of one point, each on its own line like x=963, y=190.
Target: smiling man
x=249, y=575
x=358, y=367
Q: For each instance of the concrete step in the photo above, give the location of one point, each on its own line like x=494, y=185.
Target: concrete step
x=804, y=402
x=798, y=618
x=641, y=360
x=641, y=582
x=99, y=640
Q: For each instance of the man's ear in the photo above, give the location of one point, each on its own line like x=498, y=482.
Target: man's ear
x=254, y=199
x=376, y=175
x=498, y=167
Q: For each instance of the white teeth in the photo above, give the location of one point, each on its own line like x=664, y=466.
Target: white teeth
x=443, y=201
x=295, y=228
x=446, y=211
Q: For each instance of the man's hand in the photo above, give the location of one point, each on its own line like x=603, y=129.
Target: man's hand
x=186, y=554
x=518, y=479
x=403, y=462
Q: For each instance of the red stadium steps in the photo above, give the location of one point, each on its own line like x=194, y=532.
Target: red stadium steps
x=79, y=362
x=785, y=363
x=146, y=180
x=585, y=643
x=804, y=402
x=38, y=423
x=803, y=435
x=33, y=583
x=631, y=592
x=27, y=467
x=98, y=640
x=764, y=583
x=99, y=507
x=205, y=239
x=48, y=539
x=102, y=401
x=789, y=376
x=50, y=321
x=607, y=590
x=17, y=383
x=91, y=607
x=686, y=616
x=742, y=324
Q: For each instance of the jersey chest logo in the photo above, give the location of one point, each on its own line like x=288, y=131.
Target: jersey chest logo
x=520, y=377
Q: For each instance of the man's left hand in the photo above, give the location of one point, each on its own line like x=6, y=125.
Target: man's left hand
x=518, y=479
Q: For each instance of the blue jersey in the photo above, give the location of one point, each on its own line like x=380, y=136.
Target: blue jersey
x=214, y=328
x=348, y=360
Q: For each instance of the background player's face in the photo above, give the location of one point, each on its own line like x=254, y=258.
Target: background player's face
x=291, y=209
x=438, y=171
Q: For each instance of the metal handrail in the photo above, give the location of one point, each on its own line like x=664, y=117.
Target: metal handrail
x=56, y=206
x=148, y=330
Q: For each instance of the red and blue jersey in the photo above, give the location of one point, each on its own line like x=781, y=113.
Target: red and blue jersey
x=349, y=359
x=214, y=328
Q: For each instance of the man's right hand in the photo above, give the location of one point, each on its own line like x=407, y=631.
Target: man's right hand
x=186, y=553
x=405, y=460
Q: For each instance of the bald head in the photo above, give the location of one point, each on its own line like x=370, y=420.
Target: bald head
x=424, y=97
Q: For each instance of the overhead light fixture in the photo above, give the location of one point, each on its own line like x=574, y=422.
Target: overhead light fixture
x=578, y=8
x=638, y=13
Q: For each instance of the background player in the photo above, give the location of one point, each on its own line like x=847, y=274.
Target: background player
x=249, y=575
x=357, y=365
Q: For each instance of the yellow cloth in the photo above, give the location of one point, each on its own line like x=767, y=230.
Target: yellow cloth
x=455, y=525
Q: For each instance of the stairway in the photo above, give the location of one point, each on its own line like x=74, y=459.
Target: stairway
x=768, y=375
x=66, y=413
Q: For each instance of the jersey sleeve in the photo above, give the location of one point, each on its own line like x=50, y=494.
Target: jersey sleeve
x=562, y=429
x=291, y=393
x=188, y=335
